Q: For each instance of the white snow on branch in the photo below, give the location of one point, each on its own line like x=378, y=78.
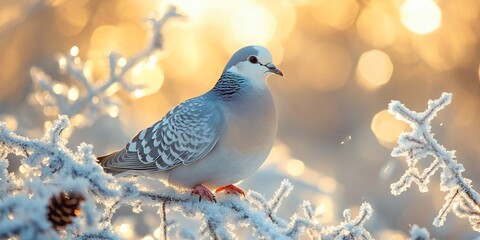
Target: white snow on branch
x=351, y=228
x=418, y=233
x=416, y=145
x=86, y=99
x=50, y=168
x=222, y=219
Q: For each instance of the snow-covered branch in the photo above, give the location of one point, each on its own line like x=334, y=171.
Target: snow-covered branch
x=351, y=228
x=416, y=145
x=85, y=99
x=418, y=233
x=49, y=169
x=71, y=190
x=222, y=219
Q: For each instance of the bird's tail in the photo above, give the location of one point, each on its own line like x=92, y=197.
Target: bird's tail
x=105, y=160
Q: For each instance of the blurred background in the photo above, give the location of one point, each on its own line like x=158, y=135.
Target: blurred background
x=343, y=60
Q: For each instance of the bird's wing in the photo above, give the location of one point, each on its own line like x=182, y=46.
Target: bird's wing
x=186, y=134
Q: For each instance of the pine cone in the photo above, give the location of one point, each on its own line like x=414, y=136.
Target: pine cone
x=63, y=208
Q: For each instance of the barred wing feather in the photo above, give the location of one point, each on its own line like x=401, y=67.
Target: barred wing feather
x=186, y=134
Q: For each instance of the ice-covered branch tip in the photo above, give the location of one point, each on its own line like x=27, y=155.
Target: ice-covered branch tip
x=416, y=145
x=84, y=99
x=49, y=169
x=351, y=229
x=418, y=233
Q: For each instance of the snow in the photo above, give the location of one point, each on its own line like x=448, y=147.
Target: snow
x=52, y=167
x=420, y=143
x=418, y=233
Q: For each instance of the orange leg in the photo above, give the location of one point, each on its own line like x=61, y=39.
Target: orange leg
x=202, y=191
x=231, y=189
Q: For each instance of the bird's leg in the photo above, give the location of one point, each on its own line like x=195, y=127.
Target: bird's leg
x=202, y=191
x=231, y=189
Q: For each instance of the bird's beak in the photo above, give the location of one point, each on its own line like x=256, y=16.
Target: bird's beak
x=273, y=69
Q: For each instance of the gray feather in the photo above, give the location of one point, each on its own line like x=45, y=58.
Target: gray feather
x=186, y=134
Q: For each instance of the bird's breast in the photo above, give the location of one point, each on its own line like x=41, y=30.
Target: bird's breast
x=252, y=123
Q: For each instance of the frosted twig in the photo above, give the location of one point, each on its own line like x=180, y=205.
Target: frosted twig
x=351, y=229
x=50, y=167
x=163, y=216
x=418, y=233
x=85, y=99
x=420, y=143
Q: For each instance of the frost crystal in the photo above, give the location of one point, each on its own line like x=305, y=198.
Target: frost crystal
x=416, y=145
x=351, y=229
x=417, y=233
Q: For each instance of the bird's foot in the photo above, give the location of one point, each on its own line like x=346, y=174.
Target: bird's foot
x=204, y=192
x=231, y=189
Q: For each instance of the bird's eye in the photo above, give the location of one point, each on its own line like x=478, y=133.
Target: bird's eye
x=253, y=59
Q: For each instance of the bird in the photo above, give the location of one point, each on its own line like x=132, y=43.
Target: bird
x=211, y=141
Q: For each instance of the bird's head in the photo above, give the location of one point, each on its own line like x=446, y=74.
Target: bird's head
x=253, y=62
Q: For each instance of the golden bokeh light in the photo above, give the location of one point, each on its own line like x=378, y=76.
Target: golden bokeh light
x=95, y=100
x=157, y=233
x=125, y=230
x=325, y=66
x=71, y=17
x=277, y=49
x=374, y=69
x=279, y=154
x=446, y=48
x=149, y=76
x=9, y=11
x=11, y=62
x=113, y=111
x=22, y=169
x=465, y=113
x=121, y=62
x=10, y=120
x=376, y=27
x=325, y=209
x=386, y=128
x=421, y=16
x=188, y=54
x=62, y=63
x=50, y=111
x=339, y=14
x=78, y=120
x=295, y=167
x=285, y=16
x=250, y=24
x=74, y=51
x=72, y=94
x=125, y=38
x=391, y=235
x=478, y=72
x=327, y=184
x=149, y=237
x=59, y=88
x=195, y=10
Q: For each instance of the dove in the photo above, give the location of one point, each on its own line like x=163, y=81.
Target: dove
x=211, y=141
